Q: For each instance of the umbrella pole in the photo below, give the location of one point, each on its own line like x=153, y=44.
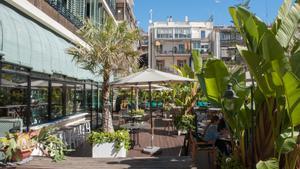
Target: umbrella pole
x=131, y=100
x=136, y=98
x=150, y=109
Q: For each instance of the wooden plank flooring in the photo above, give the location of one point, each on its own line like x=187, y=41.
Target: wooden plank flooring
x=90, y=163
x=168, y=158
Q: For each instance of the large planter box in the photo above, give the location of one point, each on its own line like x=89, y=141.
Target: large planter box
x=107, y=150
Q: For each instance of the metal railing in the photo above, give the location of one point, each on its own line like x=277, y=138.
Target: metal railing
x=59, y=7
x=112, y=6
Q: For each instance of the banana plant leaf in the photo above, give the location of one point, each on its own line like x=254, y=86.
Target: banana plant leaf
x=216, y=77
x=292, y=88
x=270, y=164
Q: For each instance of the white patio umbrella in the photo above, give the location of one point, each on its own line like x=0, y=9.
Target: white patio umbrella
x=150, y=77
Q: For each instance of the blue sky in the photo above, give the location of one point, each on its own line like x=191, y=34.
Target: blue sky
x=200, y=10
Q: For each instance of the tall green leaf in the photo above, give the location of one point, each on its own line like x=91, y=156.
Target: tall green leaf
x=292, y=88
x=294, y=61
x=290, y=17
x=197, y=61
x=216, y=77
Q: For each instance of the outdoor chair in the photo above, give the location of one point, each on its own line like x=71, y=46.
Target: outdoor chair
x=198, y=145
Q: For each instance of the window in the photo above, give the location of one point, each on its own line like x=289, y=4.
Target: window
x=181, y=48
x=160, y=64
x=164, y=33
x=225, y=36
x=181, y=63
x=196, y=45
x=182, y=33
x=203, y=35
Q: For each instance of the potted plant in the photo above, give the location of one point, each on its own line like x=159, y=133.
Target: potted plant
x=16, y=147
x=109, y=145
x=184, y=123
x=48, y=144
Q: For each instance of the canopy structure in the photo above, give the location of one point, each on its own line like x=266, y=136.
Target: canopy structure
x=150, y=76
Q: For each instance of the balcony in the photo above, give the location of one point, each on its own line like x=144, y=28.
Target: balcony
x=165, y=69
x=59, y=7
x=172, y=53
x=112, y=6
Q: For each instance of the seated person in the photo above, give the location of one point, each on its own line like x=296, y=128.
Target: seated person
x=223, y=146
x=214, y=130
x=211, y=133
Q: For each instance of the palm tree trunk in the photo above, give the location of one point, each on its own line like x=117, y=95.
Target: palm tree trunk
x=107, y=118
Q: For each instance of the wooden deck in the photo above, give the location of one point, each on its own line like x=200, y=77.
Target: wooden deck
x=90, y=163
x=170, y=144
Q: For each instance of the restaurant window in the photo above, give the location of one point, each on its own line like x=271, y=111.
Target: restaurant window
x=13, y=93
x=39, y=101
x=70, y=99
x=57, y=100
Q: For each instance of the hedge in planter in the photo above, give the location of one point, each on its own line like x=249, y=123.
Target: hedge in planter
x=119, y=138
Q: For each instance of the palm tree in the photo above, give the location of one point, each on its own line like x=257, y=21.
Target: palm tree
x=110, y=48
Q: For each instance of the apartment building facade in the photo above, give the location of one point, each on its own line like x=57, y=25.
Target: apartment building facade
x=225, y=39
x=38, y=77
x=171, y=42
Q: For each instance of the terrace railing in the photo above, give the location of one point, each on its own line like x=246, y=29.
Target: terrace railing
x=112, y=6
x=59, y=7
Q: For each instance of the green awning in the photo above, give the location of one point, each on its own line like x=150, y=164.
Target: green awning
x=28, y=43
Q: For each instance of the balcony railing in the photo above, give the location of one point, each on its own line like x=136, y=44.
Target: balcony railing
x=174, y=53
x=59, y=7
x=112, y=6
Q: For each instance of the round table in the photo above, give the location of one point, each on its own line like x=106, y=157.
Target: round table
x=134, y=131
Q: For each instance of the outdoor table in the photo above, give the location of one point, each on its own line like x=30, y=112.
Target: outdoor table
x=131, y=118
x=169, y=124
x=134, y=131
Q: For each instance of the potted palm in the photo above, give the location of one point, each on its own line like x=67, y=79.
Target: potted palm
x=110, y=47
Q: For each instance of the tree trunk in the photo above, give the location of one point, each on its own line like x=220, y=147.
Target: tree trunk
x=107, y=118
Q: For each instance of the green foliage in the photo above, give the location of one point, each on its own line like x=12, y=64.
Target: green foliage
x=215, y=77
x=119, y=138
x=110, y=48
x=269, y=54
x=53, y=145
x=270, y=164
x=185, y=122
x=9, y=146
x=230, y=163
x=186, y=95
x=137, y=112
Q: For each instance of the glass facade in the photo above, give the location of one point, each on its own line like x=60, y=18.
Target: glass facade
x=39, y=81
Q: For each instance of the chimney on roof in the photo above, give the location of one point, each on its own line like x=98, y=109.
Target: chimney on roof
x=186, y=19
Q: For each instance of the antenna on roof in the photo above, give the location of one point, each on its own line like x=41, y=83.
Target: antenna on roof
x=151, y=15
x=210, y=18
